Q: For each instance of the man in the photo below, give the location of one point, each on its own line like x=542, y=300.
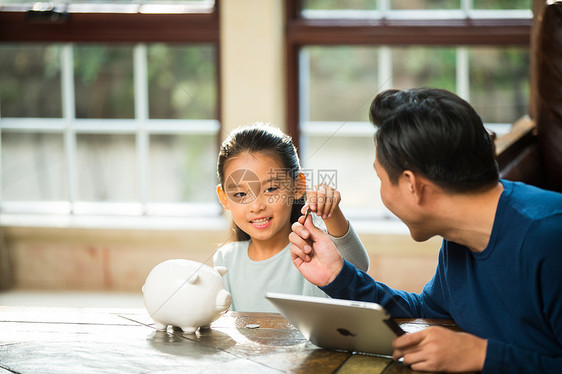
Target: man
x=499, y=274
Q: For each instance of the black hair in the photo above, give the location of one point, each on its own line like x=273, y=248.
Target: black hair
x=435, y=133
x=269, y=140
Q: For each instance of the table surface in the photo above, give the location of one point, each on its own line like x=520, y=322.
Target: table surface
x=88, y=340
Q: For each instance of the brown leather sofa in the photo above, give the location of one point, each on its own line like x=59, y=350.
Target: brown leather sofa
x=532, y=151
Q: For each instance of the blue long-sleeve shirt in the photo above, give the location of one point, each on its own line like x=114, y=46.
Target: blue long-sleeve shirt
x=510, y=293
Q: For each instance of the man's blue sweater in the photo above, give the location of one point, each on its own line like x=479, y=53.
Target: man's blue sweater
x=510, y=293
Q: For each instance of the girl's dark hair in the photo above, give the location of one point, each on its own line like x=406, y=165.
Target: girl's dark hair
x=271, y=141
x=435, y=133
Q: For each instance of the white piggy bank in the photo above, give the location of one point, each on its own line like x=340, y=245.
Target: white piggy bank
x=186, y=294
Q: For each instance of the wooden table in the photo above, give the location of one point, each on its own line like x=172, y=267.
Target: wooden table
x=74, y=340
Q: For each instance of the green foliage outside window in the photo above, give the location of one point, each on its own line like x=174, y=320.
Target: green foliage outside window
x=181, y=82
x=30, y=81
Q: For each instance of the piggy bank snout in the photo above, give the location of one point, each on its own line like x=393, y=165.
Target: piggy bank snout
x=224, y=299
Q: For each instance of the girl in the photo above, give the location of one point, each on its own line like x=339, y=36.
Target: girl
x=262, y=185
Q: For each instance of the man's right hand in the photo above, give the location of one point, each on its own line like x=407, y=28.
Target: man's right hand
x=314, y=253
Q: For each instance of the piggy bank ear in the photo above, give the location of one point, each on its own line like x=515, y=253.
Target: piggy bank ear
x=221, y=270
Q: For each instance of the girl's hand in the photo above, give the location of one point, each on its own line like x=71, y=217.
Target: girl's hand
x=325, y=202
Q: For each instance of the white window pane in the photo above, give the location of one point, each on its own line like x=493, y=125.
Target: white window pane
x=103, y=81
x=30, y=81
x=352, y=158
x=342, y=81
x=424, y=66
x=499, y=83
x=183, y=168
x=182, y=82
x=106, y=168
x=33, y=167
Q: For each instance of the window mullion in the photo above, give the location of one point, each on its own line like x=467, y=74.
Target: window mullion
x=384, y=7
x=462, y=72
x=69, y=116
x=141, y=118
x=304, y=96
x=385, y=68
x=304, y=83
x=466, y=6
x=1, y=171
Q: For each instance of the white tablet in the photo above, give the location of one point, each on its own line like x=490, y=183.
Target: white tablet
x=346, y=325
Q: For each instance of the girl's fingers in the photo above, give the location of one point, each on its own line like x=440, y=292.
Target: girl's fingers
x=311, y=198
x=329, y=202
x=321, y=200
x=336, y=198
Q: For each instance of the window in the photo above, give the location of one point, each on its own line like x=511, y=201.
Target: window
x=341, y=54
x=109, y=112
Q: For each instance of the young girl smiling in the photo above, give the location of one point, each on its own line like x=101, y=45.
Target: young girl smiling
x=262, y=185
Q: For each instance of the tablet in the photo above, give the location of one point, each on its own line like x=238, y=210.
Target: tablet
x=345, y=325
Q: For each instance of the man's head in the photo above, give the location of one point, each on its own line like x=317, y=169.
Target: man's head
x=436, y=134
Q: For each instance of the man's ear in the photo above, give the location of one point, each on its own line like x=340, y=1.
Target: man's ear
x=223, y=198
x=415, y=185
x=300, y=186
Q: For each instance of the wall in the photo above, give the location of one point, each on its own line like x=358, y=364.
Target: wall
x=120, y=260
x=99, y=259
x=252, y=63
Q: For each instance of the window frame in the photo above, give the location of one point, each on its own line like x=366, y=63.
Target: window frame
x=117, y=27
x=384, y=31
x=121, y=27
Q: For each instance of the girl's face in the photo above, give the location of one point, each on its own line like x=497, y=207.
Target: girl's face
x=259, y=193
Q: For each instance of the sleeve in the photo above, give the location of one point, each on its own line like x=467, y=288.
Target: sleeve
x=355, y=284
x=544, y=243
x=506, y=358
x=218, y=259
x=351, y=248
